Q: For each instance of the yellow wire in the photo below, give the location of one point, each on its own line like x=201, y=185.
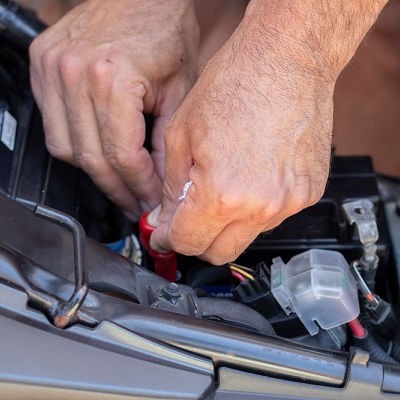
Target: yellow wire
x=241, y=267
x=241, y=272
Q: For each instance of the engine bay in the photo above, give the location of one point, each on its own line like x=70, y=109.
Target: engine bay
x=303, y=304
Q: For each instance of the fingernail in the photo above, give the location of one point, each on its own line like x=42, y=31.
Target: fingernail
x=153, y=216
x=154, y=246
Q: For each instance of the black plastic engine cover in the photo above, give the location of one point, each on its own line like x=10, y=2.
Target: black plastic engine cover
x=30, y=175
x=324, y=225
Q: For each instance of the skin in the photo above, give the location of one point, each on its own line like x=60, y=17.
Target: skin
x=254, y=133
x=93, y=75
x=358, y=116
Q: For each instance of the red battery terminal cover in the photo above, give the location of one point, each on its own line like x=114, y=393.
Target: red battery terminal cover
x=165, y=264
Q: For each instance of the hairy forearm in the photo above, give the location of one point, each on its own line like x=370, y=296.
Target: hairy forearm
x=319, y=36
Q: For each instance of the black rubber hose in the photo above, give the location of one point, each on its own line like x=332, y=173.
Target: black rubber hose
x=391, y=347
x=371, y=344
x=395, y=351
x=377, y=354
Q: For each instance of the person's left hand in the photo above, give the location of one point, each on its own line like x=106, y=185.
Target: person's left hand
x=96, y=72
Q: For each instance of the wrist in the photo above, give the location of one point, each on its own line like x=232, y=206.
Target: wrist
x=315, y=38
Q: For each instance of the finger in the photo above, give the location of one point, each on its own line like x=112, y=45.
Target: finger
x=55, y=125
x=190, y=231
x=207, y=222
x=36, y=84
x=239, y=234
x=178, y=164
x=188, y=227
x=88, y=152
x=119, y=114
x=47, y=90
x=172, y=98
x=191, y=226
x=235, y=239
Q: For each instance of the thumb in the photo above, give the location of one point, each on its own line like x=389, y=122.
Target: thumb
x=178, y=163
x=152, y=218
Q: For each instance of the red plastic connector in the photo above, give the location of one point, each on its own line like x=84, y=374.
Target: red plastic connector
x=165, y=264
x=356, y=328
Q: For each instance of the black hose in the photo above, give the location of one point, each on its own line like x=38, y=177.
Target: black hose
x=395, y=350
x=377, y=354
x=371, y=342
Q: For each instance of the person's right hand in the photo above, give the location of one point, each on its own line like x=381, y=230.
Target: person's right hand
x=97, y=71
x=253, y=136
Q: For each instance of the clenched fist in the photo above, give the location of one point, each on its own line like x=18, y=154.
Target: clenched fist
x=254, y=134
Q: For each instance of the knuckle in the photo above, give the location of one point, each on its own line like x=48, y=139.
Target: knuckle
x=185, y=249
x=297, y=204
x=101, y=73
x=268, y=209
x=48, y=59
x=119, y=159
x=136, y=88
x=228, y=201
x=35, y=49
x=316, y=195
x=87, y=161
x=183, y=245
x=70, y=67
x=307, y=196
x=60, y=152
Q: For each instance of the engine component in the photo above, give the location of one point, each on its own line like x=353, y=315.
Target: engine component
x=30, y=176
x=128, y=247
x=361, y=214
x=63, y=313
x=208, y=280
x=257, y=293
x=317, y=285
x=132, y=314
x=324, y=225
x=383, y=318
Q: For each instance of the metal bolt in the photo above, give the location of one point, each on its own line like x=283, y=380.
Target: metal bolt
x=172, y=289
x=170, y=292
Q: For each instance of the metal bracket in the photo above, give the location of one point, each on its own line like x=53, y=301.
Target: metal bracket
x=361, y=214
x=64, y=313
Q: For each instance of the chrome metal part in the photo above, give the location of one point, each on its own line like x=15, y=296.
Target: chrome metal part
x=365, y=290
x=361, y=214
x=65, y=312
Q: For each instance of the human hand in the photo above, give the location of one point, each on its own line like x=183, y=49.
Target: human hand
x=93, y=75
x=254, y=137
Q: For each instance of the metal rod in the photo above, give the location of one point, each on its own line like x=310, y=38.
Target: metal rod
x=65, y=312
